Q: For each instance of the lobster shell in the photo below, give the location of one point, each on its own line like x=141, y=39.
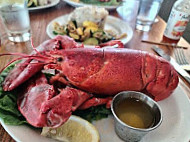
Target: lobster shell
x=109, y=71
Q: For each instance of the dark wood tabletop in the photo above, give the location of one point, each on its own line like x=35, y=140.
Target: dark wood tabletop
x=40, y=19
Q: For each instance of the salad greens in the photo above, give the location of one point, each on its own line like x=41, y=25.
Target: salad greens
x=10, y=114
x=97, y=2
x=93, y=113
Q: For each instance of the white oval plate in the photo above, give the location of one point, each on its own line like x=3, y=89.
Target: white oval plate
x=113, y=23
x=79, y=4
x=53, y=3
x=174, y=128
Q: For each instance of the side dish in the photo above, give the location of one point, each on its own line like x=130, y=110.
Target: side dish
x=86, y=24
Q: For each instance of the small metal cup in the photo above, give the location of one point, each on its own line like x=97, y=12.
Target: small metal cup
x=129, y=133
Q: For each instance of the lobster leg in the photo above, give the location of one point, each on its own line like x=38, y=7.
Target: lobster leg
x=95, y=102
x=87, y=102
x=79, y=97
x=111, y=43
x=60, y=78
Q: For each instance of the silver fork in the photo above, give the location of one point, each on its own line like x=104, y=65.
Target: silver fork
x=181, y=59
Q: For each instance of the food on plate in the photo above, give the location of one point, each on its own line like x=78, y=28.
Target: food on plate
x=35, y=3
x=89, y=13
x=86, y=24
x=83, y=77
x=100, y=2
x=75, y=129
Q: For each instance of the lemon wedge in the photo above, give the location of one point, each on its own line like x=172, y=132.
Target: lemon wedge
x=75, y=129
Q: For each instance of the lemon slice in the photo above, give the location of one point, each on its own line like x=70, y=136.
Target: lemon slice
x=75, y=129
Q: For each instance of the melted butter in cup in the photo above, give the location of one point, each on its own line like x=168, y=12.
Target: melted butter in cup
x=135, y=114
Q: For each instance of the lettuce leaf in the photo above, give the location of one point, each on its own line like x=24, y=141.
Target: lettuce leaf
x=11, y=119
x=9, y=112
x=93, y=113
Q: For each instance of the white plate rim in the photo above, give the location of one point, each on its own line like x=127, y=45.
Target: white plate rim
x=79, y=4
x=184, y=102
x=124, y=24
x=53, y=3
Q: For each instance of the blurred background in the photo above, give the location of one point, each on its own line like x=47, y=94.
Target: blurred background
x=165, y=12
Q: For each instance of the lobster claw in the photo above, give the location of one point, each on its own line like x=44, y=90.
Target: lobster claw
x=60, y=107
x=57, y=109
x=29, y=103
x=29, y=67
x=21, y=73
x=43, y=107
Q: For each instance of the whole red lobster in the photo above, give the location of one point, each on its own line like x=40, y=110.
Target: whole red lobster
x=87, y=73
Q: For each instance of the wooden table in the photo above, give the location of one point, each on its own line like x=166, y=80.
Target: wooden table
x=40, y=19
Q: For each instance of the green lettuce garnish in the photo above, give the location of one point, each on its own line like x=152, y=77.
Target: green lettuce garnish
x=9, y=112
x=93, y=113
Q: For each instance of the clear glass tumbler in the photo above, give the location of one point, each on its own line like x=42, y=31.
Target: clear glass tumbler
x=148, y=10
x=15, y=18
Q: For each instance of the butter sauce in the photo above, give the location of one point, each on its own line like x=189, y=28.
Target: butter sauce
x=135, y=113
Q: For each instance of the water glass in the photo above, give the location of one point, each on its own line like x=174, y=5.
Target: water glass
x=148, y=10
x=128, y=11
x=15, y=18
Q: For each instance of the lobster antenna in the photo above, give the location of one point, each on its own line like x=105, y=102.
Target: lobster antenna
x=39, y=58
x=9, y=63
x=19, y=54
x=27, y=56
x=32, y=63
x=32, y=43
x=34, y=48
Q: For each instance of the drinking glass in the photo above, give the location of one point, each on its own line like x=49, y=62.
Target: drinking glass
x=128, y=11
x=15, y=18
x=148, y=10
